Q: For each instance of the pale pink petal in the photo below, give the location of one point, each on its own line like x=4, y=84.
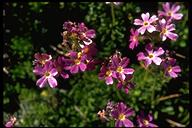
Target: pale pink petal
x=166, y=6
x=153, y=18
x=128, y=71
x=87, y=41
x=172, y=74
x=177, y=16
x=175, y=9
x=74, y=69
x=109, y=80
x=147, y=62
x=141, y=56
x=151, y=28
x=159, y=52
x=164, y=37
x=52, y=82
x=157, y=60
x=145, y=17
x=142, y=30
x=138, y=22
x=172, y=36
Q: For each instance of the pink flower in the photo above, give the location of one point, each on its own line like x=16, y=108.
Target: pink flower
x=121, y=114
x=60, y=64
x=119, y=67
x=171, y=12
x=133, y=39
x=151, y=55
x=170, y=68
x=41, y=59
x=146, y=23
x=166, y=30
x=145, y=121
x=47, y=75
x=76, y=62
x=106, y=73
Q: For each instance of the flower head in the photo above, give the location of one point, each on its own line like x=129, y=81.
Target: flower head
x=60, y=64
x=41, y=59
x=47, y=74
x=76, y=62
x=151, y=55
x=171, y=11
x=121, y=114
x=133, y=39
x=145, y=121
x=166, y=30
x=106, y=73
x=146, y=23
x=119, y=67
x=170, y=67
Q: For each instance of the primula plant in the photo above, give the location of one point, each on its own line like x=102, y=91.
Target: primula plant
x=123, y=78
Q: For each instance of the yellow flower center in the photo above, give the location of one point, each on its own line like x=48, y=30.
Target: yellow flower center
x=77, y=61
x=169, y=69
x=47, y=74
x=119, y=69
x=121, y=117
x=146, y=122
x=134, y=38
x=169, y=13
x=79, y=54
x=150, y=55
x=145, y=23
x=164, y=30
x=108, y=73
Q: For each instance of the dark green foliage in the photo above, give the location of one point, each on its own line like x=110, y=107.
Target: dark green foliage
x=32, y=27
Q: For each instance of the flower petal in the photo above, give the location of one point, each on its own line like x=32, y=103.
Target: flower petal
x=159, y=52
x=53, y=72
x=74, y=69
x=141, y=56
x=128, y=123
x=52, y=82
x=128, y=71
x=157, y=60
x=172, y=36
x=82, y=66
x=42, y=81
x=151, y=28
x=118, y=123
x=138, y=22
x=145, y=17
x=142, y=30
x=108, y=80
x=176, y=69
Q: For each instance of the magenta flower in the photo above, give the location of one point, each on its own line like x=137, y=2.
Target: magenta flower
x=89, y=50
x=106, y=73
x=119, y=67
x=47, y=74
x=133, y=39
x=86, y=34
x=121, y=114
x=60, y=64
x=42, y=58
x=171, y=69
x=166, y=30
x=10, y=123
x=146, y=23
x=171, y=12
x=76, y=62
x=150, y=56
x=145, y=121
x=126, y=85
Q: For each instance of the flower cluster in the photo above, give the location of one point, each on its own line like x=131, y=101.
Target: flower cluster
x=80, y=50
x=162, y=24
x=116, y=68
x=120, y=112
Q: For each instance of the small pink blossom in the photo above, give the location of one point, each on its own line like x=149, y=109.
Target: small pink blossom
x=166, y=30
x=171, y=11
x=146, y=23
x=47, y=74
x=133, y=39
x=10, y=123
x=151, y=55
